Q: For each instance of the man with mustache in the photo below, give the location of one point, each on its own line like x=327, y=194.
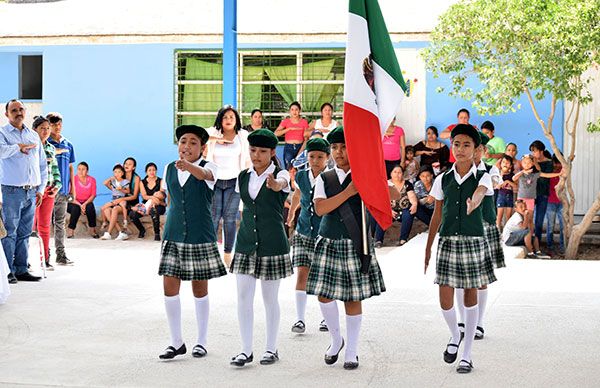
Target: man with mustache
x=23, y=175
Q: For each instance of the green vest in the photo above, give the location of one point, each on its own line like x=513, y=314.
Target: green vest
x=308, y=221
x=455, y=221
x=262, y=230
x=189, y=214
x=332, y=225
x=488, y=206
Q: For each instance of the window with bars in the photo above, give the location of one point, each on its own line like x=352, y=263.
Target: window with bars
x=267, y=80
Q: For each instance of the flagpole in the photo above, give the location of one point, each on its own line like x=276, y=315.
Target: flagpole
x=364, y=228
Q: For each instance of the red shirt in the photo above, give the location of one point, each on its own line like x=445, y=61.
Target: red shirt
x=552, y=197
x=296, y=133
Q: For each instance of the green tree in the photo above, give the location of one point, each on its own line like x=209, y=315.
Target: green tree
x=534, y=47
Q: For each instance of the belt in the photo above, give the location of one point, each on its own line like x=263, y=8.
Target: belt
x=24, y=187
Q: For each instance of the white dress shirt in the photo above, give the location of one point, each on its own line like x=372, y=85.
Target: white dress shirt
x=320, y=183
x=438, y=193
x=183, y=176
x=256, y=181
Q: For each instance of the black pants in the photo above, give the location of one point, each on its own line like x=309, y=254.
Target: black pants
x=75, y=211
x=155, y=214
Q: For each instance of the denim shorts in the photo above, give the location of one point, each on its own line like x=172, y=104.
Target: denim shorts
x=505, y=199
x=517, y=238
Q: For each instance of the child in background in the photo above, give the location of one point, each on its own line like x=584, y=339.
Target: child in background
x=519, y=231
x=157, y=198
x=554, y=211
x=411, y=165
x=506, y=189
x=119, y=187
x=527, y=179
x=511, y=150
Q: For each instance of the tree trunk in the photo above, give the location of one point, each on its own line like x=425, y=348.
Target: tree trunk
x=580, y=229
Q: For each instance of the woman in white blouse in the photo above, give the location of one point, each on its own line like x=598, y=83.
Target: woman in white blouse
x=227, y=148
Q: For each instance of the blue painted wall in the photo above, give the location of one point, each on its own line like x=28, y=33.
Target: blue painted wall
x=9, y=75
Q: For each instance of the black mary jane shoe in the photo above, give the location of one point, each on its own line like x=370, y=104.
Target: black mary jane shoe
x=350, y=365
x=199, y=351
x=451, y=357
x=330, y=360
x=464, y=366
x=170, y=352
x=269, y=358
x=323, y=326
x=479, y=333
x=241, y=359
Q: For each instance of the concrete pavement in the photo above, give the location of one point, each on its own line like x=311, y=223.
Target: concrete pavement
x=102, y=323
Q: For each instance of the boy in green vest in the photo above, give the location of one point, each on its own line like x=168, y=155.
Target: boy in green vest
x=189, y=250
x=307, y=227
x=261, y=247
x=461, y=261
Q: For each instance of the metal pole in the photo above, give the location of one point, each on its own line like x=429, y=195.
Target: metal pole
x=364, y=228
x=230, y=52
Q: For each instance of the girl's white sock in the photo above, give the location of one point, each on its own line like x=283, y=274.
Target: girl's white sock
x=202, y=310
x=332, y=318
x=472, y=314
x=481, y=302
x=450, y=317
x=301, y=304
x=352, y=333
x=246, y=286
x=173, y=309
x=460, y=303
x=270, y=293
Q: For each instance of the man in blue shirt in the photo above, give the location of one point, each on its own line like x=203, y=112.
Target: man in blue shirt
x=65, y=156
x=23, y=174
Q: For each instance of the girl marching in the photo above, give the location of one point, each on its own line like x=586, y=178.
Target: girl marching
x=461, y=256
x=189, y=250
x=261, y=249
x=307, y=226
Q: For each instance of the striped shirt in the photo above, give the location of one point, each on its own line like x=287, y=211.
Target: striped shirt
x=53, y=171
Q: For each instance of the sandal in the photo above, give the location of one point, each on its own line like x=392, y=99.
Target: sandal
x=170, y=352
x=479, y=332
x=464, y=366
x=330, y=360
x=269, y=358
x=241, y=359
x=199, y=351
x=298, y=327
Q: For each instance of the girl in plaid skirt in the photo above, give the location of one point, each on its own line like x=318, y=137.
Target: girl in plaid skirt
x=461, y=256
x=261, y=248
x=335, y=271
x=189, y=250
x=308, y=223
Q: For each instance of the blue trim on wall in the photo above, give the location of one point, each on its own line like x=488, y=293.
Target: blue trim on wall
x=230, y=62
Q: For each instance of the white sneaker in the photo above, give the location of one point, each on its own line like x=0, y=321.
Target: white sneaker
x=106, y=236
x=122, y=236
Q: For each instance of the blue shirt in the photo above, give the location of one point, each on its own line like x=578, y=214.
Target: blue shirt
x=17, y=168
x=64, y=161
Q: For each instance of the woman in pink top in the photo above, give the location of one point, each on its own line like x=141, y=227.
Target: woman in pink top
x=83, y=203
x=293, y=128
x=393, y=147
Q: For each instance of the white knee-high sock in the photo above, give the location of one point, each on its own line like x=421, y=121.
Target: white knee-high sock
x=450, y=317
x=460, y=303
x=472, y=314
x=332, y=318
x=270, y=293
x=352, y=333
x=202, y=310
x=300, y=304
x=173, y=309
x=481, y=302
x=246, y=286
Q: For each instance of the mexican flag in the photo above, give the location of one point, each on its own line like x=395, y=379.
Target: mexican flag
x=373, y=89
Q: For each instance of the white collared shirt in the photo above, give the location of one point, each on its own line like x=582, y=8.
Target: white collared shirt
x=183, y=176
x=494, y=173
x=438, y=193
x=257, y=181
x=320, y=183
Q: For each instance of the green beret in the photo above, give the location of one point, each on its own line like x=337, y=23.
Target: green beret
x=336, y=136
x=469, y=130
x=263, y=138
x=194, y=129
x=484, y=138
x=317, y=144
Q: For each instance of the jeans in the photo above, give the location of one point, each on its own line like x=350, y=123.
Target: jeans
x=43, y=220
x=60, y=214
x=18, y=210
x=541, y=204
x=226, y=205
x=407, y=219
x=290, y=151
x=554, y=211
x=75, y=211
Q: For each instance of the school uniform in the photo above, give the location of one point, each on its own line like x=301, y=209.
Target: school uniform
x=307, y=225
x=335, y=271
x=491, y=233
x=461, y=255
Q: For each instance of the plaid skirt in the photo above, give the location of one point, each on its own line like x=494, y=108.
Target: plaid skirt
x=335, y=272
x=264, y=267
x=461, y=262
x=191, y=261
x=303, y=250
x=495, y=252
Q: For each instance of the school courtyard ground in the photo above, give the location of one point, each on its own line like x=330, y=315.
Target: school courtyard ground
x=101, y=323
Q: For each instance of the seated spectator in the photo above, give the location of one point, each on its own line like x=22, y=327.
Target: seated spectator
x=83, y=203
x=422, y=188
x=433, y=152
x=411, y=165
x=119, y=187
x=153, y=202
x=519, y=230
x=402, y=209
